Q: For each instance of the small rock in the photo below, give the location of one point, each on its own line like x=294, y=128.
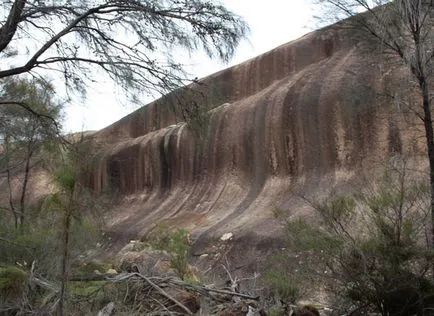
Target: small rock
x=107, y=310
x=111, y=271
x=227, y=236
x=204, y=255
x=148, y=261
x=251, y=311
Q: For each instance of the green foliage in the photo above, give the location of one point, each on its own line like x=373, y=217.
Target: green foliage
x=40, y=239
x=66, y=177
x=176, y=242
x=32, y=118
x=159, y=236
x=305, y=237
x=28, y=245
x=13, y=289
x=87, y=289
x=29, y=128
x=148, y=66
x=179, y=247
x=276, y=311
x=12, y=280
x=283, y=285
x=372, y=248
x=91, y=296
x=337, y=209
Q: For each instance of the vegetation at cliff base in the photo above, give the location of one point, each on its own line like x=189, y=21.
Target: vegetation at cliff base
x=371, y=249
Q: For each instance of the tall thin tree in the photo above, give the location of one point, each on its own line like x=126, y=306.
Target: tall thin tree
x=24, y=134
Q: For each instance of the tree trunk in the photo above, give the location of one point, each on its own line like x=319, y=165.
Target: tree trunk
x=9, y=27
x=11, y=201
x=65, y=254
x=9, y=180
x=24, y=189
x=429, y=134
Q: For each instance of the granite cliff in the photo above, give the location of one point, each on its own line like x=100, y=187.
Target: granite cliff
x=308, y=115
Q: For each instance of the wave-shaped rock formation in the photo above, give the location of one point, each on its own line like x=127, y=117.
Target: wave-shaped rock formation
x=310, y=113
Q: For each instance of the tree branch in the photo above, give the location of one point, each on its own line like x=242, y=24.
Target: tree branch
x=33, y=112
x=7, y=31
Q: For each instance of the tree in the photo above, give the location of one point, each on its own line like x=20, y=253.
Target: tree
x=63, y=226
x=24, y=134
x=132, y=41
x=404, y=30
x=66, y=178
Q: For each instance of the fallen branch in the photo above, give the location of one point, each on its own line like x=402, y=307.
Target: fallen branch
x=156, y=287
x=254, y=298
x=204, y=288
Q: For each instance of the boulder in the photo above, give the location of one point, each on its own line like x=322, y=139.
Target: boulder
x=148, y=262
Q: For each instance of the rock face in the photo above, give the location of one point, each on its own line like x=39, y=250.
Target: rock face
x=308, y=114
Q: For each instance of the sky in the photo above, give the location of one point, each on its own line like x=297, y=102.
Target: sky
x=272, y=23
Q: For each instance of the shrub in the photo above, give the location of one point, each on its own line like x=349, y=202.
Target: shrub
x=372, y=247
x=40, y=240
x=177, y=243
x=13, y=282
x=159, y=236
x=12, y=279
x=179, y=247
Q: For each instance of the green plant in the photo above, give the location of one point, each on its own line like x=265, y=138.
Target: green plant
x=369, y=249
x=87, y=289
x=179, y=247
x=176, y=242
x=66, y=178
x=12, y=280
x=159, y=236
x=276, y=311
x=282, y=285
x=13, y=289
x=38, y=244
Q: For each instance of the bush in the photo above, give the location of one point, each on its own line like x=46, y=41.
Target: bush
x=12, y=280
x=372, y=247
x=176, y=242
x=13, y=283
x=179, y=247
x=40, y=240
x=158, y=237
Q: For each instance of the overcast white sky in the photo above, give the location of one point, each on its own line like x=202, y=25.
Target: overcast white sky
x=272, y=23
